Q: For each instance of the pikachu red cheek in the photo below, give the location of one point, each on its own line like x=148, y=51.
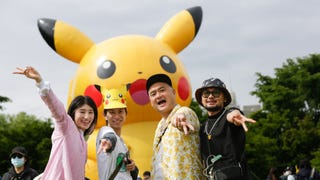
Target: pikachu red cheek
x=183, y=92
x=93, y=91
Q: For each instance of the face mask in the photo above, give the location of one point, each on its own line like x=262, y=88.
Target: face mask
x=17, y=162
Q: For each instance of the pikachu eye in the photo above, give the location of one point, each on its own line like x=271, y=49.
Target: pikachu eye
x=106, y=69
x=167, y=64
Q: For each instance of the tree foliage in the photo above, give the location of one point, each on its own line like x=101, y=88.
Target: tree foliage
x=201, y=113
x=288, y=124
x=28, y=131
x=3, y=99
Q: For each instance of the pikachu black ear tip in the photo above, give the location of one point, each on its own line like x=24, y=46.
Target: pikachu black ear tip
x=42, y=21
x=196, y=10
x=46, y=28
x=196, y=13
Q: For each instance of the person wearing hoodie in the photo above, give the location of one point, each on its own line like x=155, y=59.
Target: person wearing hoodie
x=20, y=165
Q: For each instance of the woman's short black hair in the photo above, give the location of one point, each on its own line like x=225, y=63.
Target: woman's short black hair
x=80, y=101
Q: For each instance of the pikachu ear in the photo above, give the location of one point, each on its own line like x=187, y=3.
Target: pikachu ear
x=65, y=39
x=181, y=29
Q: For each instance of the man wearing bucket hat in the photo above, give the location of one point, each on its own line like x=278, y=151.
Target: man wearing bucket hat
x=222, y=135
x=20, y=165
x=112, y=153
x=176, y=141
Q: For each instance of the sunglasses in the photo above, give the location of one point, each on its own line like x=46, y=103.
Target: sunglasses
x=215, y=93
x=16, y=155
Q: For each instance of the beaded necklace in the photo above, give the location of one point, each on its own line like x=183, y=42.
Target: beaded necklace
x=215, y=123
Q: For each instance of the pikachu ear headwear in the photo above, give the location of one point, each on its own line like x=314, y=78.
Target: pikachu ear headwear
x=114, y=98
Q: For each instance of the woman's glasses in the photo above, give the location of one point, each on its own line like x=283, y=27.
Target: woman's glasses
x=16, y=155
x=215, y=93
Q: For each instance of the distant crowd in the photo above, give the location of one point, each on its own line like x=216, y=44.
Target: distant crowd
x=303, y=171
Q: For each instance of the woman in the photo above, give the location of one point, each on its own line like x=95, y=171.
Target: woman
x=110, y=146
x=69, y=148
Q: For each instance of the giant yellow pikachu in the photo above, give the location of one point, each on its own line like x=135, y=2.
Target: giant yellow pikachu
x=126, y=60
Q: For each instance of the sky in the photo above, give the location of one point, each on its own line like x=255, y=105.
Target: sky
x=236, y=40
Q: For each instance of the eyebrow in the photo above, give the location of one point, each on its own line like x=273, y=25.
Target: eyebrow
x=154, y=90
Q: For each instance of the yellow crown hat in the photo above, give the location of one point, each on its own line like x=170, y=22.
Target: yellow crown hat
x=114, y=98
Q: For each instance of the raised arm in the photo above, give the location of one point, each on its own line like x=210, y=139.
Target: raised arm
x=54, y=104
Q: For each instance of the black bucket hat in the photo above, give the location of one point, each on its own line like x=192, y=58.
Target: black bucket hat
x=216, y=83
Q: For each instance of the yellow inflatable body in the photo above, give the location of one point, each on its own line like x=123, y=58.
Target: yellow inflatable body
x=126, y=60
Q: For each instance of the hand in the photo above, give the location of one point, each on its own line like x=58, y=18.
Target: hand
x=130, y=165
x=238, y=119
x=181, y=122
x=105, y=145
x=29, y=72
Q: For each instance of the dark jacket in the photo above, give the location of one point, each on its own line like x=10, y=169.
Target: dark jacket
x=226, y=140
x=27, y=174
x=305, y=174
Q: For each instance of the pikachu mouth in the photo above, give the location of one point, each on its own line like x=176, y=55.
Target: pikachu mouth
x=138, y=92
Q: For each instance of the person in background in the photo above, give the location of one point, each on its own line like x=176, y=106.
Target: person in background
x=272, y=174
x=20, y=166
x=109, y=144
x=306, y=171
x=222, y=135
x=176, y=142
x=69, y=148
x=288, y=174
x=146, y=175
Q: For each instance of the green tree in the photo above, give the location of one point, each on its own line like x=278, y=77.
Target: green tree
x=3, y=100
x=287, y=128
x=28, y=131
x=202, y=115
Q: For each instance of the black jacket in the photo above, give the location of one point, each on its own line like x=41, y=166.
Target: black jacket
x=27, y=174
x=227, y=140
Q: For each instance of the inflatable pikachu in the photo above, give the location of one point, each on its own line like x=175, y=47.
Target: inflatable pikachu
x=126, y=60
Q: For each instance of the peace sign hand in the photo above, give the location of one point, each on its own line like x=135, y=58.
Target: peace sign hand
x=29, y=72
x=238, y=119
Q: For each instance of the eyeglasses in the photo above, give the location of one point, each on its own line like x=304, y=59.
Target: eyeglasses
x=16, y=155
x=215, y=93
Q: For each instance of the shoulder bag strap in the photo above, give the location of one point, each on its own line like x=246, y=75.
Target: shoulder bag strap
x=115, y=172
